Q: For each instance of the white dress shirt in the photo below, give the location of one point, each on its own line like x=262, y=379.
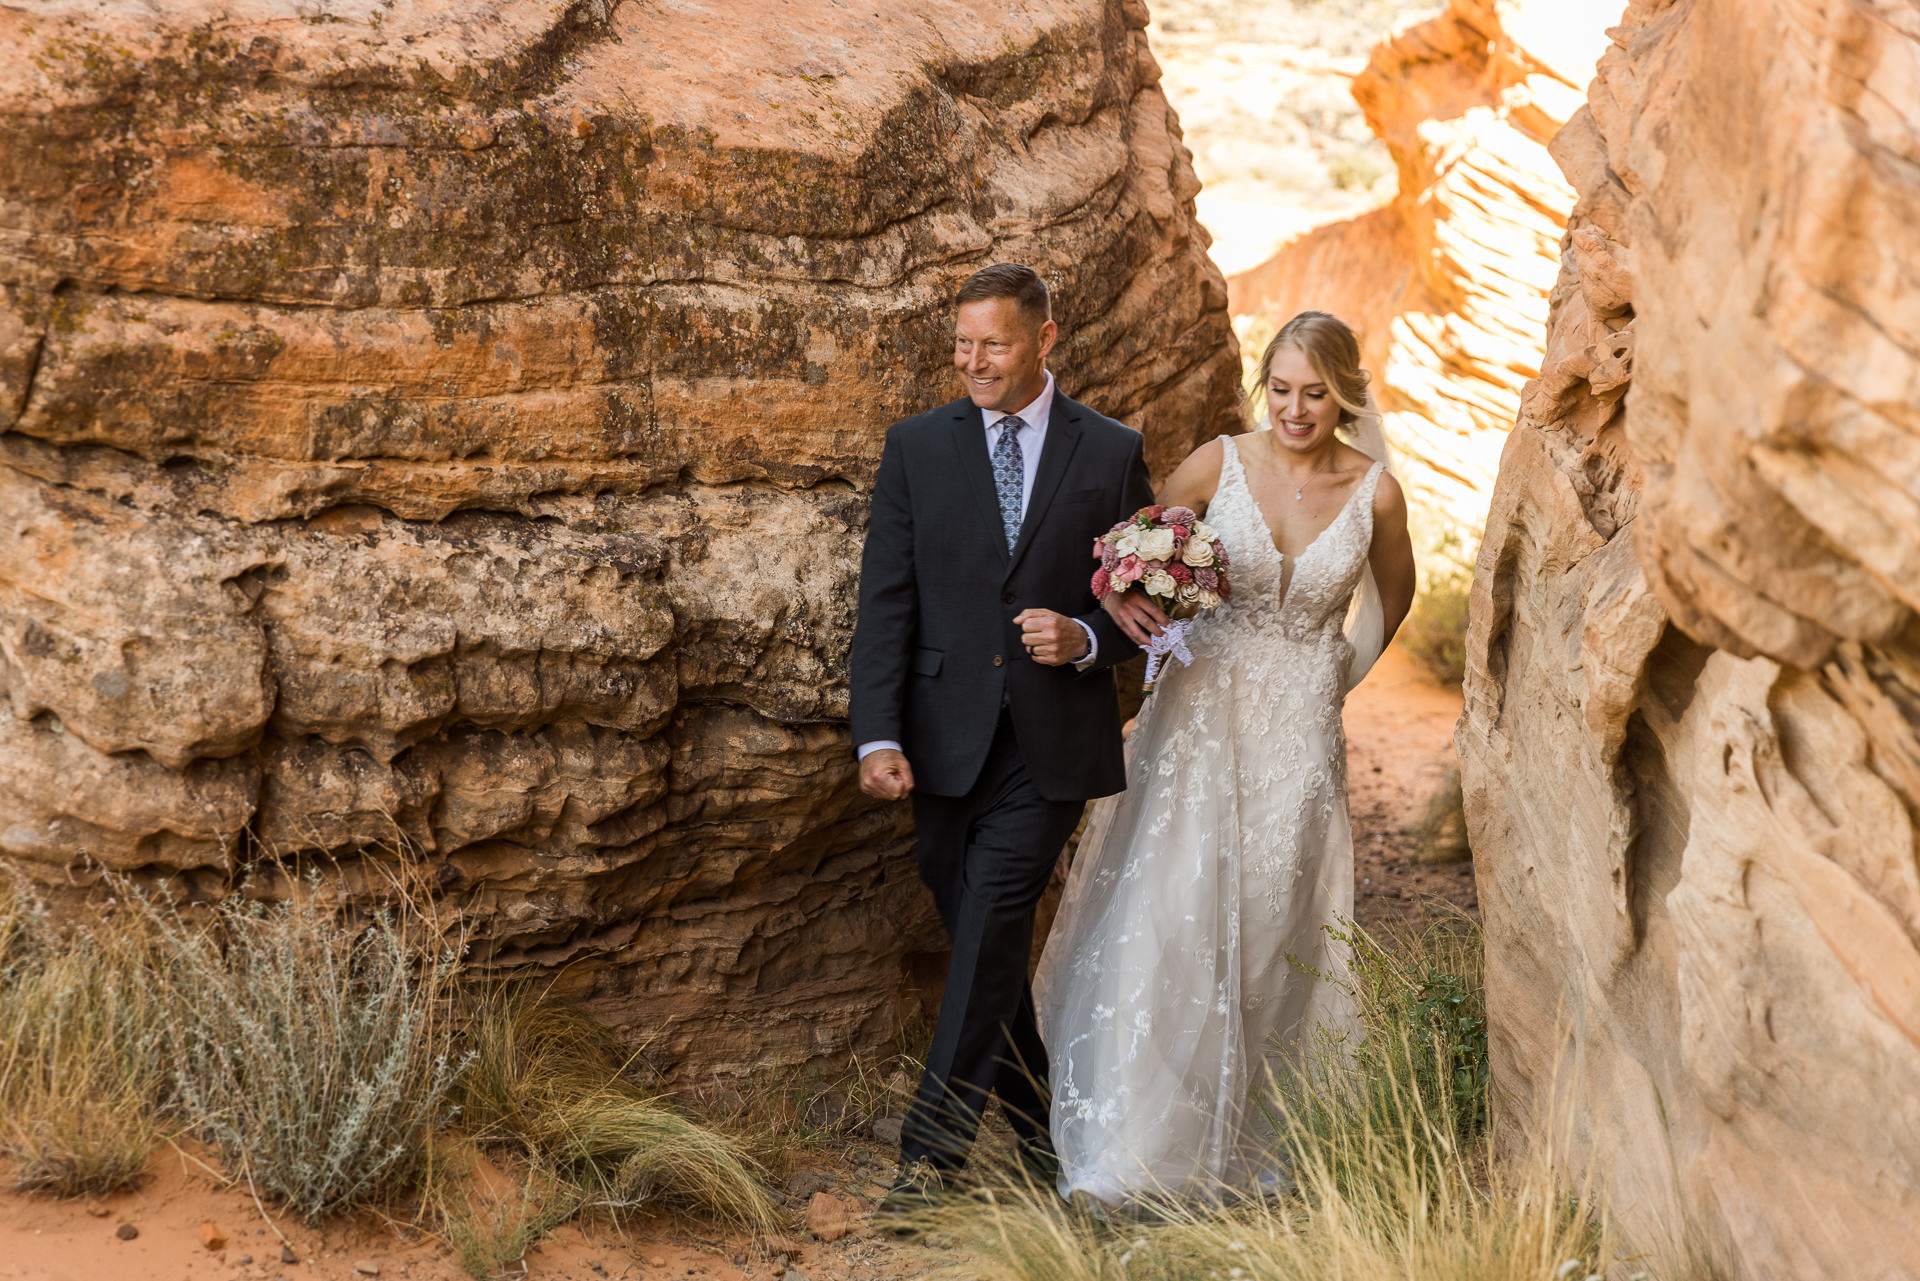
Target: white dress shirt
x=1033, y=437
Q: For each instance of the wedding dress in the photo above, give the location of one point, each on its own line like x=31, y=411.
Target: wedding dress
x=1188, y=951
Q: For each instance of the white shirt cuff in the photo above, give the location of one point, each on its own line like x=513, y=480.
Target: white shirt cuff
x=1093, y=647
x=879, y=744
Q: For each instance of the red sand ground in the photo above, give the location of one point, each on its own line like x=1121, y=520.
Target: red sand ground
x=1400, y=730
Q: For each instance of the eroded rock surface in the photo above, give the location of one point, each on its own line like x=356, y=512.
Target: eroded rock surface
x=456, y=429
x=1447, y=284
x=1692, y=739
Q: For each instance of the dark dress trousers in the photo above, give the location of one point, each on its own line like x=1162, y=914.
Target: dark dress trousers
x=1005, y=752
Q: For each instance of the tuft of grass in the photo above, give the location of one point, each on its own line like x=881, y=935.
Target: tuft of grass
x=553, y=1086
x=81, y=1061
x=1435, y=632
x=313, y=1051
x=491, y=1228
x=792, y=1117
x=1440, y=830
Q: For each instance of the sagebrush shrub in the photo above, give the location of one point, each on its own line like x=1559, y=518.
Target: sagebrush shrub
x=314, y=1053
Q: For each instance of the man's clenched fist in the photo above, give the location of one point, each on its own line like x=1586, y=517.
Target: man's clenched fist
x=885, y=774
x=1052, y=640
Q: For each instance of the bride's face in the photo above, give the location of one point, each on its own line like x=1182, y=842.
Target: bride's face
x=1299, y=405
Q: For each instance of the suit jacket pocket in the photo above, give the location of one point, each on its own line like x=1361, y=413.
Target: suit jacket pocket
x=926, y=662
x=1084, y=496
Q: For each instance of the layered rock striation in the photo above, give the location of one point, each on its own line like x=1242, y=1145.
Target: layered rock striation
x=1691, y=746
x=1447, y=283
x=451, y=433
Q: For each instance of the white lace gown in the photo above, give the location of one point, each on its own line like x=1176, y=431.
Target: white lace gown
x=1178, y=963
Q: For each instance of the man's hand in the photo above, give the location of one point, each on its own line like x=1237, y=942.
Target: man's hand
x=885, y=774
x=1051, y=639
x=1137, y=615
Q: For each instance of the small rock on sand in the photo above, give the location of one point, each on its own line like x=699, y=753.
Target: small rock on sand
x=212, y=1237
x=827, y=1216
x=126, y=1232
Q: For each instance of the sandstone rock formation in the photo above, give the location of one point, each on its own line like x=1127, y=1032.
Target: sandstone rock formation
x=1447, y=284
x=454, y=430
x=1691, y=747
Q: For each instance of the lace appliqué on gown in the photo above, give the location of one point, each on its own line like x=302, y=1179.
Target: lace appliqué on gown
x=1184, y=952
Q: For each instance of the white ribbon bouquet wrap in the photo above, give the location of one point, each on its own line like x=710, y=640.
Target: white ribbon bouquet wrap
x=1174, y=557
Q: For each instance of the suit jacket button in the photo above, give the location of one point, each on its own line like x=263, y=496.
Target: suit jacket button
x=996, y=660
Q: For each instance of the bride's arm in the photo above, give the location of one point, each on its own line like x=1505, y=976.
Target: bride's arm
x=1391, y=557
x=1191, y=485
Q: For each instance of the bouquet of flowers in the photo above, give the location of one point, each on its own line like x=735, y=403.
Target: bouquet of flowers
x=1176, y=559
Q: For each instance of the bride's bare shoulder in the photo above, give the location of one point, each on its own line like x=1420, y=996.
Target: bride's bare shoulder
x=1389, y=501
x=1197, y=477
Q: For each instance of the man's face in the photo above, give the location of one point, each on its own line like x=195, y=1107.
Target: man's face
x=1000, y=353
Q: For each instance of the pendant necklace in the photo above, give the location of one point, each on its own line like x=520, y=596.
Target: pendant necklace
x=1299, y=491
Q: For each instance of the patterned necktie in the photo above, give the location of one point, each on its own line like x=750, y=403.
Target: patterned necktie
x=1009, y=475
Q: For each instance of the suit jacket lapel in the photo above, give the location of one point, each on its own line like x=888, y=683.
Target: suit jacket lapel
x=1063, y=437
x=976, y=470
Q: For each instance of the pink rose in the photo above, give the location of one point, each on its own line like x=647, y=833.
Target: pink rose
x=1101, y=584
x=1180, y=532
x=1154, y=512
x=1099, y=548
x=1130, y=570
x=1179, y=573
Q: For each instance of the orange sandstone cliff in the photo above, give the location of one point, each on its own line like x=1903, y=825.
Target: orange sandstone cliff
x=450, y=430
x=1691, y=747
x=1447, y=284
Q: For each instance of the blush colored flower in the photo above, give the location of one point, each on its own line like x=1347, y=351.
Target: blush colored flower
x=1154, y=512
x=1207, y=578
x=1179, y=573
x=1101, y=584
x=1180, y=516
x=1130, y=569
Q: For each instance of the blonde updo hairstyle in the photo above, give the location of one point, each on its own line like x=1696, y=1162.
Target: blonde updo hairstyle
x=1331, y=348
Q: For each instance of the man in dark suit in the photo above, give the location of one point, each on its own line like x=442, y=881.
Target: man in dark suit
x=979, y=687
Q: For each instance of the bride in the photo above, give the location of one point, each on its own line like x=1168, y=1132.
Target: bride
x=1189, y=951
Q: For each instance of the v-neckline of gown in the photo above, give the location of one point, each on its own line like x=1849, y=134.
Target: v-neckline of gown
x=1253, y=501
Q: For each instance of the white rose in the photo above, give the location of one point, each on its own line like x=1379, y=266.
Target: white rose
x=1209, y=600
x=1159, y=583
x=1203, y=531
x=1189, y=593
x=1156, y=544
x=1197, y=553
x=1128, y=544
